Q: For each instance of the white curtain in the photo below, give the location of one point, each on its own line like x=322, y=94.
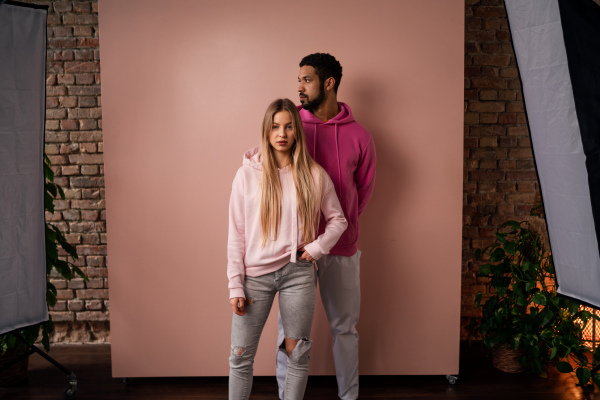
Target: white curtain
x=537, y=29
x=22, y=119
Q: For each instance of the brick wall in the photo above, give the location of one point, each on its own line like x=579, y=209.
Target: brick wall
x=74, y=146
x=500, y=182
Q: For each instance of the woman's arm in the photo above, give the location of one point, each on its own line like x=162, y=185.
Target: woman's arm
x=336, y=224
x=236, y=242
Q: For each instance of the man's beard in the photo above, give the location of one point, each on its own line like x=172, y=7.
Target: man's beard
x=313, y=104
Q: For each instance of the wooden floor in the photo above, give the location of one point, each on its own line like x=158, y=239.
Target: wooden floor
x=478, y=381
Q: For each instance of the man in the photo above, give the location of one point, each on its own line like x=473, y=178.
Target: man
x=346, y=151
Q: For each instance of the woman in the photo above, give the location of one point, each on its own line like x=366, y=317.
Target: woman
x=276, y=201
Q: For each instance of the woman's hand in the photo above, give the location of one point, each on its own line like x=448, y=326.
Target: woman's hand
x=237, y=303
x=305, y=255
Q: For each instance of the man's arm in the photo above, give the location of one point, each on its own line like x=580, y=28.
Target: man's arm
x=364, y=176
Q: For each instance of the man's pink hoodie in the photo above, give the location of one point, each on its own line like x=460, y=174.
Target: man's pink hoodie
x=346, y=151
x=244, y=253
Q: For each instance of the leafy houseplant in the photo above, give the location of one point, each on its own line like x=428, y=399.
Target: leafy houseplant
x=65, y=268
x=523, y=311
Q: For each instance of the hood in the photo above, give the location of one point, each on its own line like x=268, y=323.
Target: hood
x=343, y=117
x=253, y=158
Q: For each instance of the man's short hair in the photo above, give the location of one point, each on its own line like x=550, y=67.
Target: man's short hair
x=326, y=66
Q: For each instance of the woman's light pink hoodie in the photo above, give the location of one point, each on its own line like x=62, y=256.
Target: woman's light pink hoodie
x=244, y=253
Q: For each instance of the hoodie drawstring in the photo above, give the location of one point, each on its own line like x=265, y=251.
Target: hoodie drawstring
x=315, y=143
x=337, y=148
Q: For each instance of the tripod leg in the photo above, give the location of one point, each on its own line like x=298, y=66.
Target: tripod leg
x=71, y=389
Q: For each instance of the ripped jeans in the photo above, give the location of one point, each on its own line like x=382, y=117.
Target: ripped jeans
x=295, y=283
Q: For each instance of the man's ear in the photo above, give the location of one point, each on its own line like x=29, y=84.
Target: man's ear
x=329, y=83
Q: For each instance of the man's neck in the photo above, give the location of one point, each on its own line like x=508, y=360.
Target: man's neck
x=327, y=110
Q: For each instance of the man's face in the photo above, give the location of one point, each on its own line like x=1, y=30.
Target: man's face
x=311, y=91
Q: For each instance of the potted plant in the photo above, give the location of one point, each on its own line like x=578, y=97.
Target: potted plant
x=10, y=347
x=522, y=313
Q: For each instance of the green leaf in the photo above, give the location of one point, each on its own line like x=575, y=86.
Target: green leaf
x=48, y=203
x=553, y=352
x=501, y=237
x=485, y=269
x=63, y=269
x=501, y=285
x=478, y=297
x=80, y=273
x=584, y=315
x=564, y=367
x=530, y=284
x=48, y=173
x=513, y=224
x=61, y=192
x=70, y=249
x=51, y=190
x=510, y=248
x=47, y=330
x=581, y=356
x=596, y=379
x=50, y=298
x=539, y=298
x=584, y=375
x=572, y=307
x=497, y=255
x=11, y=340
x=547, y=335
x=535, y=350
x=51, y=252
x=516, y=341
x=546, y=315
x=51, y=288
x=489, y=342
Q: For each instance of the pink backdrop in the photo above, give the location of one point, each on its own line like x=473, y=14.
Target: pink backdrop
x=184, y=88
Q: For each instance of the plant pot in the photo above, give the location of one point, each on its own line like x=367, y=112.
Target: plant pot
x=16, y=374
x=506, y=359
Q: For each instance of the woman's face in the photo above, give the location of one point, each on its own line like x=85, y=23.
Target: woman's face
x=282, y=135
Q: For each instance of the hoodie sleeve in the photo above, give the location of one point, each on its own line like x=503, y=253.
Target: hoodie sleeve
x=336, y=224
x=236, y=271
x=364, y=176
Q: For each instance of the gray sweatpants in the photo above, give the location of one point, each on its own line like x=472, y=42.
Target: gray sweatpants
x=339, y=285
x=295, y=283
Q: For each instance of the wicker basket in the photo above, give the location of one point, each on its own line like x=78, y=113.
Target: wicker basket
x=17, y=373
x=506, y=359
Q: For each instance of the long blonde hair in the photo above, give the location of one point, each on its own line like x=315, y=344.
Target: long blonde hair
x=308, y=192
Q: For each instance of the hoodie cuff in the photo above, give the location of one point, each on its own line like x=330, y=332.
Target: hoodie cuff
x=314, y=250
x=233, y=293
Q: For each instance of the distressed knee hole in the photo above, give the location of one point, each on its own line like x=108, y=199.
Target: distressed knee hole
x=300, y=353
x=290, y=344
x=238, y=351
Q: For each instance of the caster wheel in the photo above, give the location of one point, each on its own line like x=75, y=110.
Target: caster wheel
x=69, y=392
x=452, y=379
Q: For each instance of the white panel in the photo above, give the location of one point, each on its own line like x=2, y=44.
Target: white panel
x=541, y=56
x=22, y=113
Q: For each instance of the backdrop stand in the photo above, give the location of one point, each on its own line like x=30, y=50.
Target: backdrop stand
x=70, y=390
